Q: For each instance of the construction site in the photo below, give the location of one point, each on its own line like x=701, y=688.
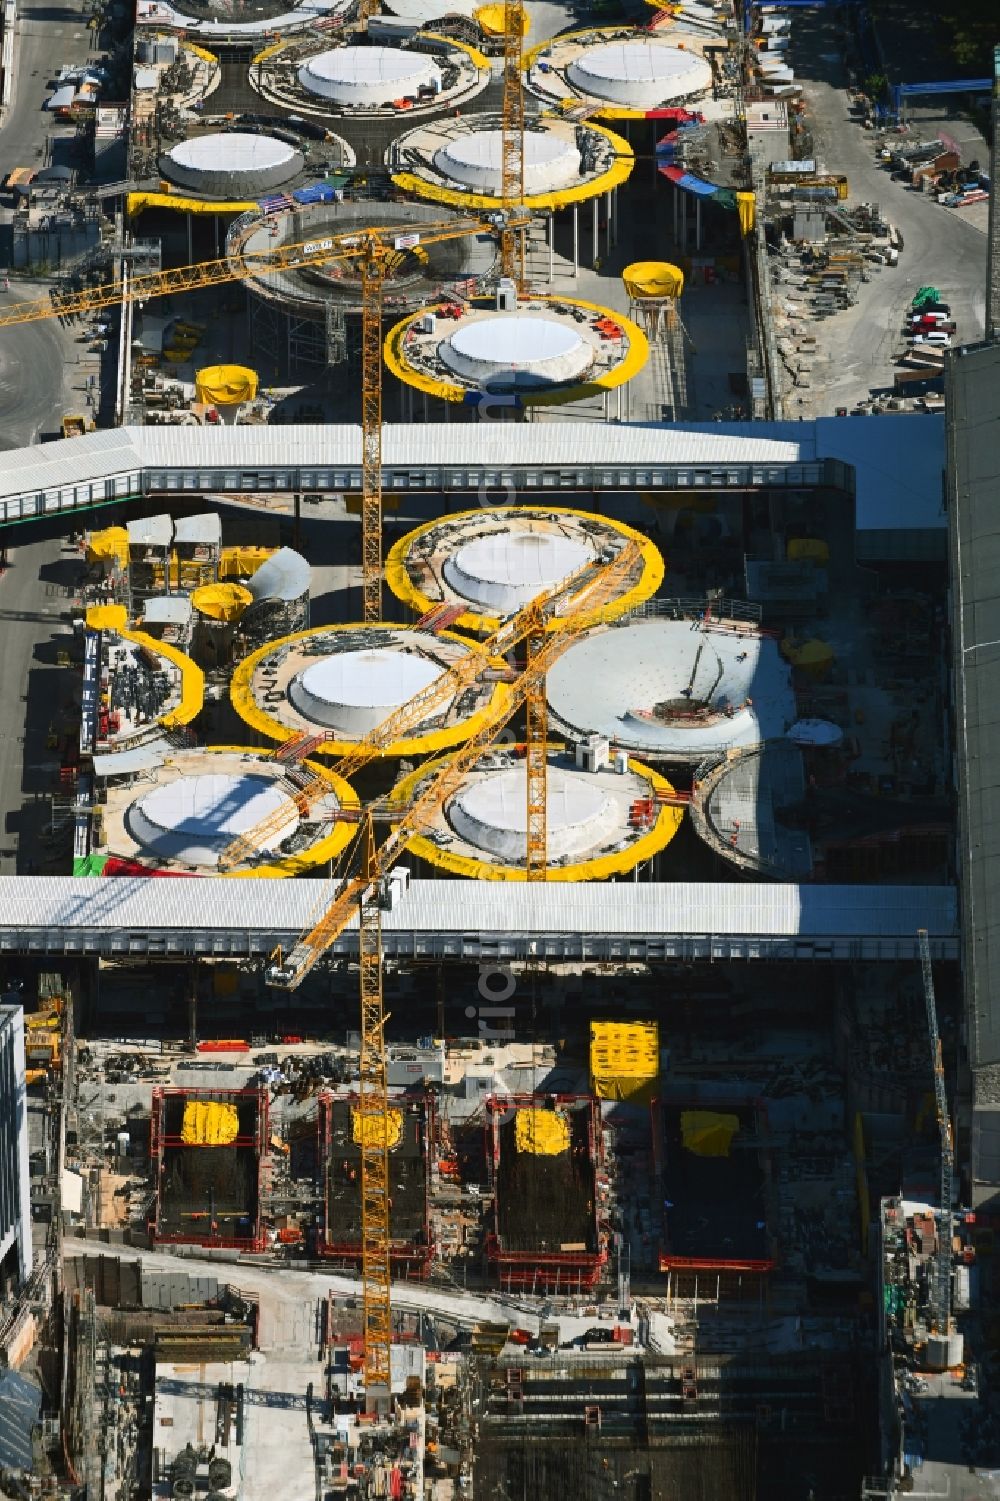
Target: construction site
x=494, y=989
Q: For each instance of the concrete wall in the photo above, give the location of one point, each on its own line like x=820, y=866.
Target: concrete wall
x=15, y=1206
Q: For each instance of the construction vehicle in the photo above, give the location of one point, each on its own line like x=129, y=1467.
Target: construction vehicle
x=73, y=425
x=43, y=1042
x=939, y=1292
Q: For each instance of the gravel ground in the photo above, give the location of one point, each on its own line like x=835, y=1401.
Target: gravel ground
x=942, y=247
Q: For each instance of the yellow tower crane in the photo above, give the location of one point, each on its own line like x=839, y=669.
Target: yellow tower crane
x=553, y=621
x=379, y=250
x=512, y=138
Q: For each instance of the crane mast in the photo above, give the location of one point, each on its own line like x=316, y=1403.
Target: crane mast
x=512, y=139
x=940, y=1288
x=372, y=274
x=373, y=1115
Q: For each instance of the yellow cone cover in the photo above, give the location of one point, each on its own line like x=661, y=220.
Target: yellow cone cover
x=746, y=207
x=107, y=545
x=221, y=601
x=365, y=1129
x=653, y=279
x=225, y=385
x=207, y=1123
x=544, y=1133
x=706, y=1133
x=491, y=19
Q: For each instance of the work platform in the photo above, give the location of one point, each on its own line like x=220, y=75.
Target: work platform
x=453, y=919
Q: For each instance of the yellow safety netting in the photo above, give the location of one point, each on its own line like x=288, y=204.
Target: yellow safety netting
x=366, y=1130
x=491, y=19
x=543, y=1133
x=653, y=279
x=207, y=1123
x=707, y=1133
x=106, y=617
x=242, y=562
x=808, y=549
x=139, y=201
x=746, y=207
x=225, y=385
x=108, y=546
x=221, y=601
x=624, y=1060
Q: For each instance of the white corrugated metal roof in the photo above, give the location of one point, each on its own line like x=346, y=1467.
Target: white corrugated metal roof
x=487, y=908
x=898, y=459
x=205, y=528
x=150, y=531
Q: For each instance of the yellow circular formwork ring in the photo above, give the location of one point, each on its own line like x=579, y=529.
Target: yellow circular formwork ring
x=619, y=172
x=635, y=358
x=651, y=577
x=246, y=706
x=602, y=868
x=320, y=853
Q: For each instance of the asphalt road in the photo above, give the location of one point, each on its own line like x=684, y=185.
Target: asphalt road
x=33, y=593
x=37, y=361
x=941, y=248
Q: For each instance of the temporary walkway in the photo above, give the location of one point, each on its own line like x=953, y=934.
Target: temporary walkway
x=482, y=920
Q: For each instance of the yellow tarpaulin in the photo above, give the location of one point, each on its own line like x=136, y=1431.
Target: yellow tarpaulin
x=366, y=1129
x=624, y=1060
x=106, y=617
x=653, y=279
x=242, y=562
x=706, y=1133
x=543, y=1133
x=139, y=201
x=746, y=207
x=225, y=385
x=813, y=656
x=221, y=601
x=808, y=549
x=108, y=546
x=207, y=1123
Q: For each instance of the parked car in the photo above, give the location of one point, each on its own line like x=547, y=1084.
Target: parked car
x=931, y=316
x=935, y=340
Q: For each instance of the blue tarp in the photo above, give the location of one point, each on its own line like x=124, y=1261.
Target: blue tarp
x=20, y=1402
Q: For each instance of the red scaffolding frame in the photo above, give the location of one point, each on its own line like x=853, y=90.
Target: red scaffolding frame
x=160, y=1141
x=545, y=1271
x=407, y=1258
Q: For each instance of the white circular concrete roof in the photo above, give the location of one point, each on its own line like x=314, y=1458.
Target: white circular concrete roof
x=474, y=159
x=610, y=682
x=231, y=163
x=491, y=813
x=193, y=819
x=354, y=691
x=504, y=570
x=517, y=349
x=368, y=75
x=639, y=74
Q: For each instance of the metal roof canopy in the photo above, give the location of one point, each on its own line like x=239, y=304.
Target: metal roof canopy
x=455, y=919
x=898, y=464
x=167, y=609
x=150, y=531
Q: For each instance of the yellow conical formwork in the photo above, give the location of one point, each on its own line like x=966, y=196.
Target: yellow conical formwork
x=225, y=602
x=108, y=546
x=653, y=279
x=491, y=20
x=225, y=385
